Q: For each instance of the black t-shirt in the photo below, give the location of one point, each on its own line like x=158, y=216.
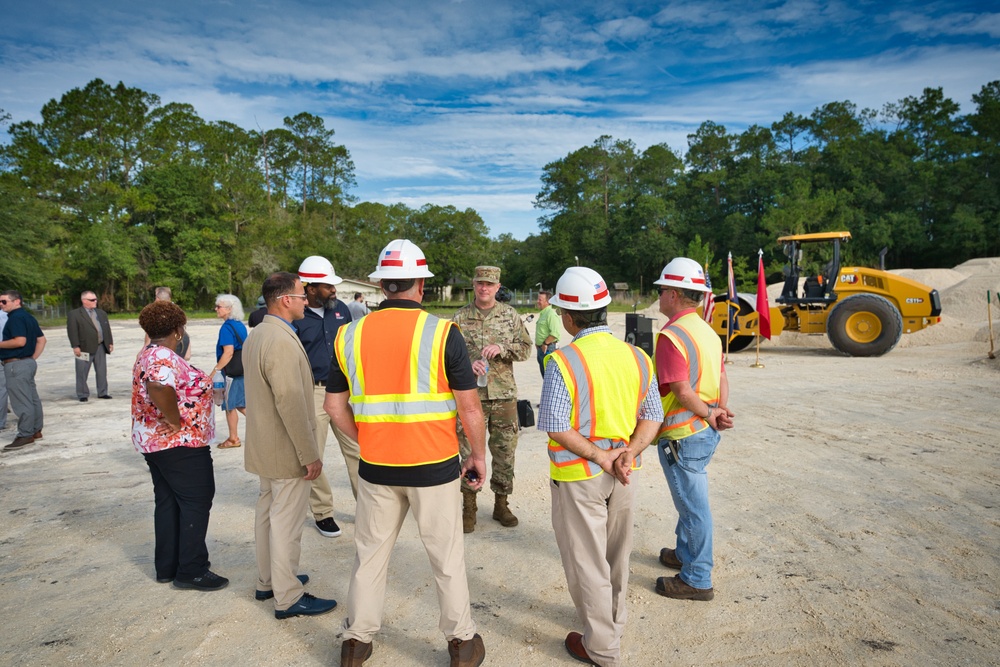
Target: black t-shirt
x=21, y=323
x=458, y=370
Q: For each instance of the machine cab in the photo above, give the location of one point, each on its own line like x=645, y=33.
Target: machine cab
x=818, y=288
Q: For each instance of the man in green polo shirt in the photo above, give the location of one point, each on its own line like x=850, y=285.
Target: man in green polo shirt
x=547, y=330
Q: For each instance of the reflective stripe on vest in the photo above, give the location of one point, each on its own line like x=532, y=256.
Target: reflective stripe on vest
x=405, y=410
x=701, y=348
x=597, y=413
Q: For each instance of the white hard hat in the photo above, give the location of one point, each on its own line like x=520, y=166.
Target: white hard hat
x=581, y=288
x=318, y=269
x=400, y=260
x=683, y=273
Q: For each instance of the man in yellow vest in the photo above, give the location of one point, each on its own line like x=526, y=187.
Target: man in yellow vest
x=598, y=397
x=401, y=380
x=695, y=390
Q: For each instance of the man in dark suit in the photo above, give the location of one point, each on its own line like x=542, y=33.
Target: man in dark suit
x=90, y=334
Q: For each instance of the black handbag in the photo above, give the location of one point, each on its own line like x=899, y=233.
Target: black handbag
x=525, y=414
x=234, y=368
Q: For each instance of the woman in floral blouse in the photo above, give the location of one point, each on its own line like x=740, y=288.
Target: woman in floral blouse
x=172, y=423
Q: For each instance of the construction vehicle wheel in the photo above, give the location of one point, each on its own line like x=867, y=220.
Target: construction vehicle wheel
x=864, y=325
x=739, y=342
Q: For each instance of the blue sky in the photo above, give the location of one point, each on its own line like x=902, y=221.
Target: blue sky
x=464, y=102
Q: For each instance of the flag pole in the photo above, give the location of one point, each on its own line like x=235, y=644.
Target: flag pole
x=989, y=316
x=756, y=333
x=729, y=315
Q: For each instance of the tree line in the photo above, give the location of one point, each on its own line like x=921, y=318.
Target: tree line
x=116, y=192
x=915, y=177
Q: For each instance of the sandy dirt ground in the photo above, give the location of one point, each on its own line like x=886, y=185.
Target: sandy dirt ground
x=857, y=521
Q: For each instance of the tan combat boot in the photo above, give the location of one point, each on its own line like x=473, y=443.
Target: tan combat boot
x=468, y=511
x=502, y=513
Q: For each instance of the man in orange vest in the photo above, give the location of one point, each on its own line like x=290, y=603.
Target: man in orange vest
x=598, y=397
x=695, y=390
x=401, y=380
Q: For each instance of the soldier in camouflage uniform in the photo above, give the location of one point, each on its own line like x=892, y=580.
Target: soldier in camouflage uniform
x=496, y=336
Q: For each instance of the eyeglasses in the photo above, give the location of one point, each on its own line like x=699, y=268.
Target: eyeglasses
x=217, y=306
x=295, y=296
x=665, y=289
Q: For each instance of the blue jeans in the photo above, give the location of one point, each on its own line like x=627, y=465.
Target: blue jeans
x=688, y=484
x=551, y=348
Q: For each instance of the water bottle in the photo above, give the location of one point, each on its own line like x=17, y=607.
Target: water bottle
x=483, y=379
x=218, y=387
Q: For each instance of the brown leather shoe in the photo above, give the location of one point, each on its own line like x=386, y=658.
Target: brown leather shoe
x=468, y=511
x=37, y=436
x=668, y=557
x=468, y=653
x=675, y=587
x=574, y=646
x=19, y=442
x=354, y=652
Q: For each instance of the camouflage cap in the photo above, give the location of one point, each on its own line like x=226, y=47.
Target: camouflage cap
x=487, y=274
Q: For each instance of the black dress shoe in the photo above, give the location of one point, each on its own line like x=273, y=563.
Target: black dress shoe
x=83, y=400
x=308, y=605
x=164, y=580
x=209, y=581
x=105, y=396
x=267, y=595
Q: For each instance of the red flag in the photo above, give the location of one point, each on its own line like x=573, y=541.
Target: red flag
x=763, y=308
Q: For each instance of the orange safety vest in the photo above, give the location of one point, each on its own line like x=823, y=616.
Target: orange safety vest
x=403, y=406
x=700, y=346
x=607, y=381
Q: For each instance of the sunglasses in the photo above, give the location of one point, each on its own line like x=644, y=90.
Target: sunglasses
x=3, y=302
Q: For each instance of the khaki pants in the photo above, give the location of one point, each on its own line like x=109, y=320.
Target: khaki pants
x=592, y=520
x=281, y=509
x=321, y=496
x=381, y=510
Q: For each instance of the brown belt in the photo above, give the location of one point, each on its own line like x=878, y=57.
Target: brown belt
x=7, y=361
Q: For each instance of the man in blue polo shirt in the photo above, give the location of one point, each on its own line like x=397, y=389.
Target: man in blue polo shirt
x=23, y=342
x=324, y=315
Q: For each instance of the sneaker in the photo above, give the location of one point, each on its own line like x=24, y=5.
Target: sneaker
x=328, y=527
x=678, y=589
x=267, y=595
x=19, y=442
x=308, y=605
x=209, y=581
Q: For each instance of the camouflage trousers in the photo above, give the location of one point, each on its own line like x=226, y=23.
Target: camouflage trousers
x=501, y=423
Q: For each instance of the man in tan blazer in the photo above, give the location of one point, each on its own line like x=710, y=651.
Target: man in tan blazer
x=280, y=447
